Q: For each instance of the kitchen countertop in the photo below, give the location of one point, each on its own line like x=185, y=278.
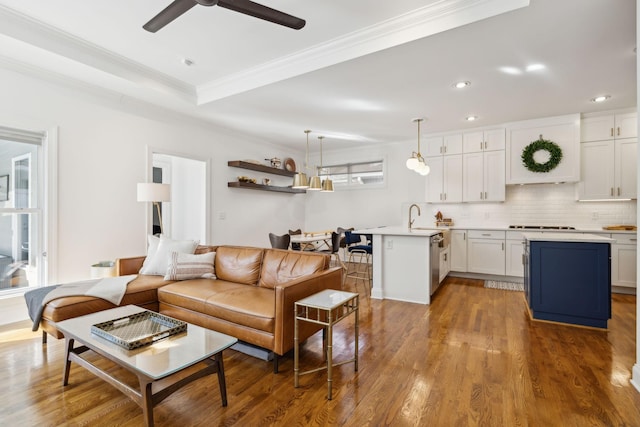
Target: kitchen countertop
x=398, y=230
x=567, y=237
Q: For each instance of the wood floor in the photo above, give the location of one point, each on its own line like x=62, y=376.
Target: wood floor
x=472, y=358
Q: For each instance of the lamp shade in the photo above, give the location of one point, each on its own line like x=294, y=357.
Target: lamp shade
x=327, y=186
x=300, y=180
x=314, y=183
x=153, y=192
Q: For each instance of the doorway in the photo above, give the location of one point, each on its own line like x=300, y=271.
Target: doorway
x=187, y=215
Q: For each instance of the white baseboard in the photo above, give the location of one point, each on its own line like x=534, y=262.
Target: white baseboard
x=635, y=376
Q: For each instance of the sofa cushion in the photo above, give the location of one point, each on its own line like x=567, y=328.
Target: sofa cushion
x=280, y=266
x=157, y=260
x=238, y=264
x=250, y=306
x=190, y=266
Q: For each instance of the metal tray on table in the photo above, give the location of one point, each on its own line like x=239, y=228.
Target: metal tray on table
x=138, y=330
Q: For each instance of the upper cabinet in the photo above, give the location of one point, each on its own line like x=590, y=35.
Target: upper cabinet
x=443, y=145
x=608, y=126
x=483, y=140
x=609, y=156
x=564, y=131
x=444, y=182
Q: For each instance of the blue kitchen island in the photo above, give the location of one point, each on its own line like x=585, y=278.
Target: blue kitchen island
x=568, y=277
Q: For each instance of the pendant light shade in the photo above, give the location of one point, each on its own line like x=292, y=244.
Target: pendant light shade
x=327, y=184
x=300, y=179
x=416, y=162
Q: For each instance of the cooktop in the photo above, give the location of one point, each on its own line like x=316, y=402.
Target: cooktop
x=543, y=227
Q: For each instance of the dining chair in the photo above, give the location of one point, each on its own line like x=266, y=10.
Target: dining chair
x=334, y=251
x=295, y=246
x=279, y=242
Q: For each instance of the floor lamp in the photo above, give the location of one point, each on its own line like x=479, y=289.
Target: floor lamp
x=155, y=193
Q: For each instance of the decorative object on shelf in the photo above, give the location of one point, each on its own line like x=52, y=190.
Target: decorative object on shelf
x=246, y=179
x=275, y=162
x=155, y=193
x=327, y=184
x=439, y=216
x=440, y=221
x=416, y=162
x=289, y=164
x=541, y=144
x=266, y=181
x=300, y=180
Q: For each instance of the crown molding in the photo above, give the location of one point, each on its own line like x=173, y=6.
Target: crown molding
x=54, y=41
x=423, y=22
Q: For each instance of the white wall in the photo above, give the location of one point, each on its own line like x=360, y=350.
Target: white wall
x=102, y=155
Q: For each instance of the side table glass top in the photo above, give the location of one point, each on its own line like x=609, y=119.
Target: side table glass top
x=327, y=299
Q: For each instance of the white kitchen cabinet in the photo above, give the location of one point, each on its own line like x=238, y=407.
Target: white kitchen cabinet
x=458, y=250
x=486, y=252
x=609, y=126
x=483, y=176
x=443, y=145
x=609, y=170
x=623, y=261
x=562, y=130
x=444, y=182
x=514, y=253
x=445, y=263
x=484, y=140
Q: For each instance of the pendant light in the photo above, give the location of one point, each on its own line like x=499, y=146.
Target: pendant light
x=314, y=183
x=300, y=178
x=416, y=162
x=327, y=184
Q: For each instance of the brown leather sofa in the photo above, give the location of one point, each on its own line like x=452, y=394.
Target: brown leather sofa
x=252, y=297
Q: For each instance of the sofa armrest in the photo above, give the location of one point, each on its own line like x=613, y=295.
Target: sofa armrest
x=126, y=266
x=288, y=293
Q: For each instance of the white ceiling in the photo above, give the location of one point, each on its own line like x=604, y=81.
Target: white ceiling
x=358, y=72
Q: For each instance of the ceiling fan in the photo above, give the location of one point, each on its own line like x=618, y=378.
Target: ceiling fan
x=178, y=7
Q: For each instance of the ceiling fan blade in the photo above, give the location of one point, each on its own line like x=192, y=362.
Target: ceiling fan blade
x=263, y=12
x=171, y=12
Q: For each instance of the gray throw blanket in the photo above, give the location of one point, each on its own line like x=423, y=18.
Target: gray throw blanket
x=111, y=289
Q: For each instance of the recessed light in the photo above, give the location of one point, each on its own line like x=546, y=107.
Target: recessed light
x=460, y=85
x=188, y=62
x=511, y=70
x=471, y=118
x=601, y=98
x=535, y=67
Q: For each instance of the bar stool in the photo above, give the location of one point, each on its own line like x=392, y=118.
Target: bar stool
x=358, y=265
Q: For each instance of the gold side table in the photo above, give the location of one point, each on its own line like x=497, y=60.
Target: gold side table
x=325, y=308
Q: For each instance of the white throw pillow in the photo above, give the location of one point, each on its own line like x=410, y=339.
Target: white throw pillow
x=187, y=266
x=156, y=262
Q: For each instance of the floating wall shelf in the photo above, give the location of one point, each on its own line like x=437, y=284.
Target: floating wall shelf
x=265, y=169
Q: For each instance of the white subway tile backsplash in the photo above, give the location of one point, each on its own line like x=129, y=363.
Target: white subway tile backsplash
x=541, y=204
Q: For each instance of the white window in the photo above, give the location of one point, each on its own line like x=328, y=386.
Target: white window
x=355, y=175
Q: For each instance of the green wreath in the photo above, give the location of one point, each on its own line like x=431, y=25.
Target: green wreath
x=555, y=155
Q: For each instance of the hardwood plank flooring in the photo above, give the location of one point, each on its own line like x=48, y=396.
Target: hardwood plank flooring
x=471, y=358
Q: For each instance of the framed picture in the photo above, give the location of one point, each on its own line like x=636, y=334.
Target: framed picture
x=4, y=188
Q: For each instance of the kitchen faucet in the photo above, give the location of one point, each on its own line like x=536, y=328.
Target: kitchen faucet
x=410, y=210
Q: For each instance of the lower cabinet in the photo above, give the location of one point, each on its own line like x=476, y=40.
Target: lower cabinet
x=445, y=263
x=486, y=252
x=458, y=250
x=623, y=261
x=514, y=265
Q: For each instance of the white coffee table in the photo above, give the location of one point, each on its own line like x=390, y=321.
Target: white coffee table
x=167, y=365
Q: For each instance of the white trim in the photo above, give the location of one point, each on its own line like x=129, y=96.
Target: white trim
x=437, y=17
x=635, y=379
x=49, y=246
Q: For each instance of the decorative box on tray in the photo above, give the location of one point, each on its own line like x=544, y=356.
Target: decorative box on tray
x=139, y=329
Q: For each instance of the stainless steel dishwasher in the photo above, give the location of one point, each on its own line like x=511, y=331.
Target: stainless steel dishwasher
x=434, y=252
